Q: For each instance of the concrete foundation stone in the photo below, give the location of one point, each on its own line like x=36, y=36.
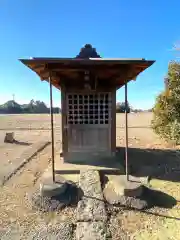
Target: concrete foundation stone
x=91, y=207
x=127, y=201
x=91, y=231
x=133, y=187
x=48, y=188
x=9, y=137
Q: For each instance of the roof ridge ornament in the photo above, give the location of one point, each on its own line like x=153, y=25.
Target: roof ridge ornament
x=88, y=52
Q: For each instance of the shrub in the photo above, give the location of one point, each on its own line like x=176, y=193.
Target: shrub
x=166, y=112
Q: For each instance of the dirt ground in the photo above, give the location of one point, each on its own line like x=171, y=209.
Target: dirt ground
x=145, y=150
x=28, y=129
x=31, y=128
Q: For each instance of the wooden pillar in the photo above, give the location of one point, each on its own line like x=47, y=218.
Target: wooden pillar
x=126, y=132
x=52, y=127
x=113, y=122
x=64, y=121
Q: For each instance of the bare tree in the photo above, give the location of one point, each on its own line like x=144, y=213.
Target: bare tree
x=176, y=48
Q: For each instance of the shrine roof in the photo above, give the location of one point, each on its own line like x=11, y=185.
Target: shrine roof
x=87, y=60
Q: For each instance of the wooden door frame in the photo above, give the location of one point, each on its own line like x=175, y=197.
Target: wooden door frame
x=64, y=94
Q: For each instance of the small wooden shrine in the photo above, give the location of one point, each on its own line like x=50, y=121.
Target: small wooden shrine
x=88, y=85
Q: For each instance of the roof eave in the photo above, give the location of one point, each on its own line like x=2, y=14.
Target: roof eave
x=38, y=65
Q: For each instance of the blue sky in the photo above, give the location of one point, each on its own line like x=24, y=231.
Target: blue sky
x=119, y=28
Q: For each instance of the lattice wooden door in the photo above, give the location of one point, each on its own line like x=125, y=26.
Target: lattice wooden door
x=88, y=122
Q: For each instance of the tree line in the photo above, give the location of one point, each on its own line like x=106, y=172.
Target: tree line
x=121, y=108
x=12, y=107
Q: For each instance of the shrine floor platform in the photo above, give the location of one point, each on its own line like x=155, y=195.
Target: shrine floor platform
x=71, y=171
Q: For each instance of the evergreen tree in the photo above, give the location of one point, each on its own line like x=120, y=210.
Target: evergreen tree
x=121, y=107
x=166, y=112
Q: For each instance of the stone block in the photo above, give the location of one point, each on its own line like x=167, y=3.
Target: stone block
x=91, y=207
x=91, y=210
x=9, y=137
x=132, y=187
x=115, y=199
x=91, y=231
x=48, y=188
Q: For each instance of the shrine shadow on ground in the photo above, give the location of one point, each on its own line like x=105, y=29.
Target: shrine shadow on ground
x=154, y=198
x=158, y=198
x=155, y=163
x=21, y=143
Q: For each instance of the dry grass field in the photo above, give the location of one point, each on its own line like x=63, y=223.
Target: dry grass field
x=161, y=222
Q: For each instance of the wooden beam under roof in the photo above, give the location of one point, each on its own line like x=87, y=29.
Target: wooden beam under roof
x=103, y=68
